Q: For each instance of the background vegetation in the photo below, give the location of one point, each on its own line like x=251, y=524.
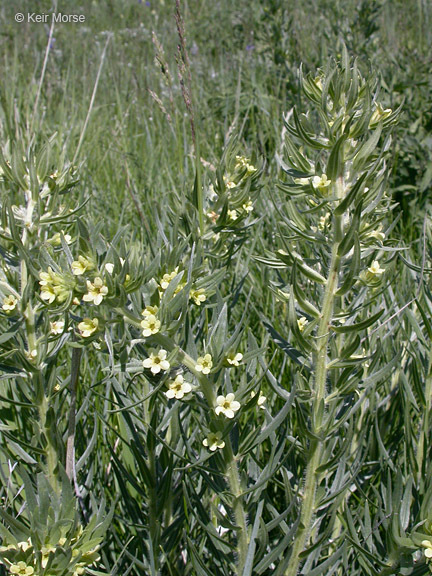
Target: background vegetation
x=113, y=91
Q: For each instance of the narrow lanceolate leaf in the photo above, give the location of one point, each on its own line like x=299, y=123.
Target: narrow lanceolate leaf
x=248, y=567
x=360, y=325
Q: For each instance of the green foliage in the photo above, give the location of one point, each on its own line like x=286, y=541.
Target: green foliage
x=214, y=290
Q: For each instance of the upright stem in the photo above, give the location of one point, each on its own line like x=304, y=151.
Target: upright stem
x=233, y=478
x=320, y=361
x=70, y=446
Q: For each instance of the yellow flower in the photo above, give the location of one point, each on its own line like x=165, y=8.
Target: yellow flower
x=227, y=405
x=9, y=303
x=321, y=183
x=166, y=279
x=46, y=551
x=198, y=296
x=157, y=362
x=88, y=326
x=204, y=364
x=54, y=286
x=375, y=269
x=150, y=311
x=428, y=545
x=96, y=291
x=229, y=183
x=248, y=206
x=150, y=325
x=21, y=568
x=323, y=221
x=261, y=400
x=178, y=388
x=214, y=441
x=80, y=266
x=235, y=359
x=301, y=323
x=232, y=214
x=56, y=239
x=57, y=327
x=243, y=162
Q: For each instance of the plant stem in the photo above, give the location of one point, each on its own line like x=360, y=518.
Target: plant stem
x=320, y=361
x=238, y=508
x=70, y=446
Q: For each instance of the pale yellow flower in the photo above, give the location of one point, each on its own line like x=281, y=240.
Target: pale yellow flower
x=301, y=323
x=243, y=162
x=428, y=545
x=323, y=221
x=150, y=325
x=235, y=358
x=204, y=364
x=248, y=206
x=54, y=286
x=9, y=303
x=25, y=545
x=166, y=279
x=178, y=388
x=227, y=405
x=232, y=214
x=21, y=568
x=109, y=267
x=57, y=327
x=375, y=269
x=96, y=291
x=80, y=266
x=88, y=327
x=198, y=296
x=261, y=400
x=48, y=294
x=214, y=441
x=56, y=239
x=157, y=361
x=229, y=183
x=150, y=311
x=321, y=183
x=46, y=551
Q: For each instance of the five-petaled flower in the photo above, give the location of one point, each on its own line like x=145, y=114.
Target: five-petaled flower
x=198, y=296
x=204, y=364
x=321, y=183
x=235, y=359
x=177, y=388
x=214, y=441
x=88, y=326
x=9, y=303
x=81, y=265
x=157, y=361
x=227, y=405
x=96, y=291
x=375, y=269
x=21, y=568
x=57, y=327
x=150, y=325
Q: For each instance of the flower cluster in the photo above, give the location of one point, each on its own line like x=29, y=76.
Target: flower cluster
x=26, y=559
x=55, y=287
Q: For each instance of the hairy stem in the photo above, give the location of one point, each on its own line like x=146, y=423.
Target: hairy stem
x=320, y=361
